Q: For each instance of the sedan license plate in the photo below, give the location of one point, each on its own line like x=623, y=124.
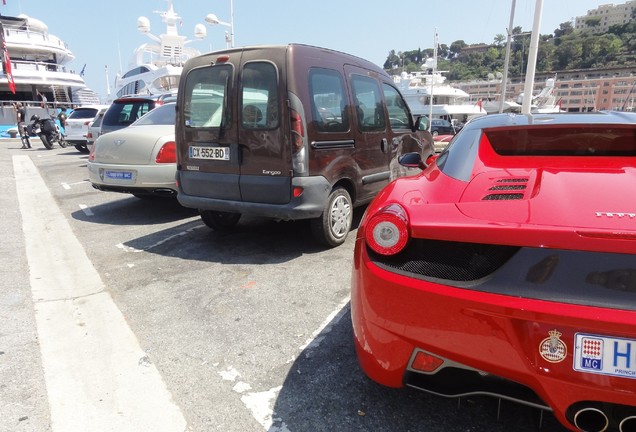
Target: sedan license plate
x=120, y=175
x=605, y=355
x=213, y=153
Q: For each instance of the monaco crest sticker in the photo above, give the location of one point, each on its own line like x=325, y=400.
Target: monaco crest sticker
x=552, y=348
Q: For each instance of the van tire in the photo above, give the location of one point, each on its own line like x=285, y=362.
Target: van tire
x=332, y=227
x=218, y=220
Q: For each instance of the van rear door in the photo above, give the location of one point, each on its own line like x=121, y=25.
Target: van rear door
x=209, y=157
x=265, y=164
x=234, y=130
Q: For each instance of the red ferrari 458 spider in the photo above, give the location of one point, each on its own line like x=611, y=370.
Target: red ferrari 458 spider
x=508, y=268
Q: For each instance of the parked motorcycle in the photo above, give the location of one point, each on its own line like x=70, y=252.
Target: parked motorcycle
x=48, y=131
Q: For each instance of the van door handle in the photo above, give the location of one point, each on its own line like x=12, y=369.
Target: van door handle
x=384, y=145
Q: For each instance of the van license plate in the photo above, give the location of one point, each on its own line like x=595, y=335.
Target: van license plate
x=214, y=153
x=605, y=355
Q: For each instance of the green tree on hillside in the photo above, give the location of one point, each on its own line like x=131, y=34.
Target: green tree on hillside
x=567, y=48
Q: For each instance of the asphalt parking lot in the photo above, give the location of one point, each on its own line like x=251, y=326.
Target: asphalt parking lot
x=247, y=331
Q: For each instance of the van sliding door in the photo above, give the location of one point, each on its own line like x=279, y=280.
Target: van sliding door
x=372, y=152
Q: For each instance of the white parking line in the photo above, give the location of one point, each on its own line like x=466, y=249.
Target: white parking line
x=261, y=404
x=86, y=210
x=67, y=186
x=96, y=374
x=159, y=243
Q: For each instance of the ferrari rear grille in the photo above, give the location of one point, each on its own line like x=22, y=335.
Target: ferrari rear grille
x=508, y=187
x=455, y=261
x=505, y=185
x=513, y=180
x=503, y=196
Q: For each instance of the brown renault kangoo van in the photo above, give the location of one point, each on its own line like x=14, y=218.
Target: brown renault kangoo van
x=289, y=132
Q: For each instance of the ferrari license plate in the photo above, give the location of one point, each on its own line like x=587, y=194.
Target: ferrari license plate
x=213, y=153
x=605, y=355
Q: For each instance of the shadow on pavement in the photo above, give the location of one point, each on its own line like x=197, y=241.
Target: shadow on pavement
x=326, y=390
x=253, y=240
x=130, y=210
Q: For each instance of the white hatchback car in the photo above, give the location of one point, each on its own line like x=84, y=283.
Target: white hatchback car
x=139, y=159
x=77, y=125
x=94, y=128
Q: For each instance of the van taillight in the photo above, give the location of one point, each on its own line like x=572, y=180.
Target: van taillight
x=297, y=130
x=167, y=153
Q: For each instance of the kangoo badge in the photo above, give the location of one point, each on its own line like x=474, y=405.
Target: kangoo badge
x=552, y=348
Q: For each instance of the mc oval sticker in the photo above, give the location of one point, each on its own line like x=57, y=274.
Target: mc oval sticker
x=552, y=348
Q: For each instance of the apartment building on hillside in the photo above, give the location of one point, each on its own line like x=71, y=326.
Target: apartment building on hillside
x=599, y=20
x=574, y=90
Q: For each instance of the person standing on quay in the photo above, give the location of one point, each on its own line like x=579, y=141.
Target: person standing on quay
x=24, y=135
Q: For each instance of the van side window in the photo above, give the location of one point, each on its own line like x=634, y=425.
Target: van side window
x=328, y=101
x=259, y=96
x=368, y=103
x=205, y=97
x=399, y=116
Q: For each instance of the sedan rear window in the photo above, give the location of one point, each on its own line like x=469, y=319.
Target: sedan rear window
x=564, y=140
x=162, y=115
x=83, y=113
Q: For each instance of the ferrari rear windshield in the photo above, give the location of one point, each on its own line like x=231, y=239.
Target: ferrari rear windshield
x=564, y=140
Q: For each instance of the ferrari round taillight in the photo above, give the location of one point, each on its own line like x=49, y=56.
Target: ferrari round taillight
x=387, y=231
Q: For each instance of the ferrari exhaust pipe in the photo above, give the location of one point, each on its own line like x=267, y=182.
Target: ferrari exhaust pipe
x=591, y=420
x=628, y=424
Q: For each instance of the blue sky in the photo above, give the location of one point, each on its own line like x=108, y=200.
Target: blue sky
x=104, y=33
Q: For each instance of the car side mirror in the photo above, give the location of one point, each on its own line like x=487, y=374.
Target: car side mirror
x=414, y=160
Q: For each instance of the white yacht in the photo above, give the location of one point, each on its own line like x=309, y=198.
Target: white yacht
x=448, y=102
x=156, y=66
x=545, y=101
x=39, y=63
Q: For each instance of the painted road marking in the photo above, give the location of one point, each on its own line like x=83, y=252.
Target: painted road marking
x=67, y=186
x=94, y=368
x=86, y=210
x=261, y=404
x=159, y=243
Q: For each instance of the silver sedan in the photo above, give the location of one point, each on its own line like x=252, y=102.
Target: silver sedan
x=139, y=159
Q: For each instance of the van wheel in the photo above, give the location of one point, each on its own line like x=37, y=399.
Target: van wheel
x=218, y=220
x=332, y=227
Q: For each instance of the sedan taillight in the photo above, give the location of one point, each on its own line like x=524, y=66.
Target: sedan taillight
x=387, y=231
x=167, y=153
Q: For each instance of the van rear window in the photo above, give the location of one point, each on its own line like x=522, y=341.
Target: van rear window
x=259, y=97
x=564, y=140
x=205, y=97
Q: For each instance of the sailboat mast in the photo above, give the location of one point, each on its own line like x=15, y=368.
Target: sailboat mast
x=532, y=58
x=504, y=80
x=430, y=97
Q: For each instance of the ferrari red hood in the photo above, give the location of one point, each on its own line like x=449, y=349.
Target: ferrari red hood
x=577, y=199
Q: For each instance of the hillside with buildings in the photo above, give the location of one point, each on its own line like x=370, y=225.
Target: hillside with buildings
x=593, y=61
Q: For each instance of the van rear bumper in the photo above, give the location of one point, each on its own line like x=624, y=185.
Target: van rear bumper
x=309, y=205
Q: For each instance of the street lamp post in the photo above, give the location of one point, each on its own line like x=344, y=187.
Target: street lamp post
x=213, y=20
